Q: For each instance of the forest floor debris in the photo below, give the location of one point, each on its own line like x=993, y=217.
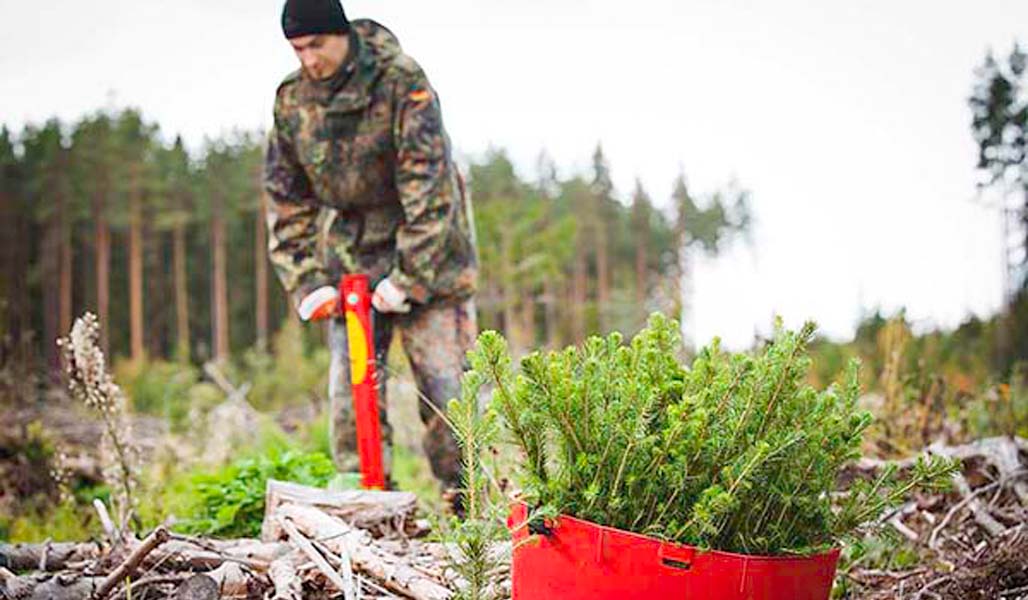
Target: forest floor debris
x=315, y=544
x=371, y=545
x=972, y=542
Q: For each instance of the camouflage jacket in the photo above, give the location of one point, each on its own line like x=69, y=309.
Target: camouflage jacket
x=360, y=178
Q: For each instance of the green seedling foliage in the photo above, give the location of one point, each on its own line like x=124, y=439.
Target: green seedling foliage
x=475, y=537
x=229, y=502
x=736, y=452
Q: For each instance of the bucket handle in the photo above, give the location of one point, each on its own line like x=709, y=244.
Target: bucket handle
x=676, y=557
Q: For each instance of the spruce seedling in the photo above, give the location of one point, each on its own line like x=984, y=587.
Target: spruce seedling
x=735, y=453
x=477, y=536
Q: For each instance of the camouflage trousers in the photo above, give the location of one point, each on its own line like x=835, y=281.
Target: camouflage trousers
x=435, y=340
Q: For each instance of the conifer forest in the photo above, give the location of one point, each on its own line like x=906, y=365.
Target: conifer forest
x=166, y=414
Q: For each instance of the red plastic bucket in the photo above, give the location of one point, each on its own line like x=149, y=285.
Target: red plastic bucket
x=580, y=560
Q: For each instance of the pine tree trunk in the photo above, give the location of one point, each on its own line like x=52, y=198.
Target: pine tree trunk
x=135, y=265
x=641, y=282
x=550, y=302
x=156, y=313
x=64, y=225
x=510, y=328
x=51, y=266
x=178, y=258
x=102, y=256
x=578, y=298
x=528, y=320
x=64, y=326
x=219, y=283
x=602, y=274
x=10, y=275
x=13, y=277
x=260, y=258
x=685, y=289
x=507, y=296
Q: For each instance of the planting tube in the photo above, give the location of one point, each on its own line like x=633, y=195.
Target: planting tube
x=356, y=299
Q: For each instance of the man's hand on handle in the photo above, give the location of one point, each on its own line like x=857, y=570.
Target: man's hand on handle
x=322, y=303
x=389, y=299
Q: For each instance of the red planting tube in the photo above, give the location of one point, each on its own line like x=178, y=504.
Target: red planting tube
x=356, y=299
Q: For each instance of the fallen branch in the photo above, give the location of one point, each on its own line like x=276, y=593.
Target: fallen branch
x=319, y=561
x=980, y=513
x=1000, y=451
x=105, y=521
x=282, y=573
x=254, y=554
x=389, y=569
x=342, y=561
x=932, y=543
x=128, y=567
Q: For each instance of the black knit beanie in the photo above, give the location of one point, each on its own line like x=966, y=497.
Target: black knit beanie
x=307, y=17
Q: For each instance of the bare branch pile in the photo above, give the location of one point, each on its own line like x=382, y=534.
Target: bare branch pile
x=314, y=544
x=973, y=540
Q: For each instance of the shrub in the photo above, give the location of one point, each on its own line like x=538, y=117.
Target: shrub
x=736, y=453
x=288, y=376
x=1001, y=409
x=158, y=387
x=229, y=502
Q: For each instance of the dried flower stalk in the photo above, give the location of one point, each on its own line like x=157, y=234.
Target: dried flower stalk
x=90, y=383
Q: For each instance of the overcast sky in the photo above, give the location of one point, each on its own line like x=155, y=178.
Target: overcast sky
x=847, y=121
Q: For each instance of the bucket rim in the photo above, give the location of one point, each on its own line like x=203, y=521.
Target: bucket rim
x=831, y=554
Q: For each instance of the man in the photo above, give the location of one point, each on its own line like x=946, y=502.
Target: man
x=361, y=180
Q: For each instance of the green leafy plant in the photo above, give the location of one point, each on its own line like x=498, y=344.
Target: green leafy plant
x=230, y=501
x=736, y=453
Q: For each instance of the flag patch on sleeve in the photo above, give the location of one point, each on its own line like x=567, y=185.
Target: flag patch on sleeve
x=419, y=95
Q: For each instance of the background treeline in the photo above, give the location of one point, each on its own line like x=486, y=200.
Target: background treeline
x=168, y=247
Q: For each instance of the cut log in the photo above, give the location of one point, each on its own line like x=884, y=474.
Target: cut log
x=29, y=557
x=378, y=512
x=178, y=553
x=48, y=587
x=390, y=570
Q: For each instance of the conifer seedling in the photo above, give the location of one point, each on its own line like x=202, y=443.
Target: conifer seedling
x=735, y=452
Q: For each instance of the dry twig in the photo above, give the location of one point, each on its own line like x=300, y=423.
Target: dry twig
x=129, y=565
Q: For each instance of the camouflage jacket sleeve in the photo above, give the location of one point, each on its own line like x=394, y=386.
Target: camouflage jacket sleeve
x=292, y=215
x=426, y=183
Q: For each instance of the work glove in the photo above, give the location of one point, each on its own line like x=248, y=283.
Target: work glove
x=389, y=299
x=322, y=303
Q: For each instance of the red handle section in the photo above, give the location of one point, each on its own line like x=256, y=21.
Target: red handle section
x=355, y=295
